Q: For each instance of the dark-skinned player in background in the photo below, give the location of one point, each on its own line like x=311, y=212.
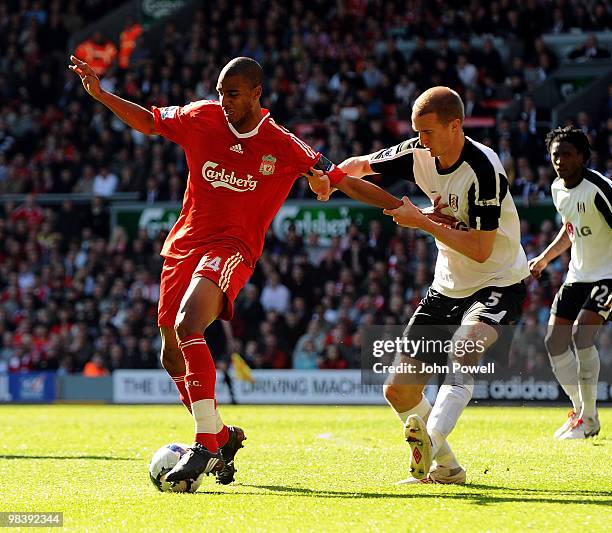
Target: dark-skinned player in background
x=583, y=198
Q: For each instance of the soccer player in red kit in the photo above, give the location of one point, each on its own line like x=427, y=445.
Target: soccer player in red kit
x=242, y=166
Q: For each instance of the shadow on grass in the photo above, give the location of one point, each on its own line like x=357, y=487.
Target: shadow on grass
x=466, y=494
x=71, y=457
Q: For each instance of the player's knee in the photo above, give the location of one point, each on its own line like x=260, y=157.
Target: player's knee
x=402, y=397
x=185, y=327
x=556, y=343
x=391, y=394
x=584, y=336
x=468, y=348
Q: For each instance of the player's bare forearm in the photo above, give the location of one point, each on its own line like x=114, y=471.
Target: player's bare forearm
x=368, y=193
x=560, y=243
x=357, y=166
x=132, y=114
x=475, y=244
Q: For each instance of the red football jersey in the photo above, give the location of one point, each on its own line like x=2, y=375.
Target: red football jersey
x=237, y=181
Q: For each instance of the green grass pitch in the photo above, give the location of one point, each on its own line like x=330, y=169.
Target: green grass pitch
x=304, y=469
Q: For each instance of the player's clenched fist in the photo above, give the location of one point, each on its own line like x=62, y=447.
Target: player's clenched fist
x=319, y=183
x=89, y=78
x=437, y=215
x=537, y=266
x=407, y=215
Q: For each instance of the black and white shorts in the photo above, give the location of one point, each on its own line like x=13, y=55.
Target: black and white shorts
x=573, y=297
x=439, y=316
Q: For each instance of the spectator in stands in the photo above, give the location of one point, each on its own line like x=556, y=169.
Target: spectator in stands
x=492, y=64
x=97, y=52
x=85, y=185
x=275, y=296
x=273, y=355
x=333, y=359
x=127, y=41
x=306, y=358
x=29, y=212
x=105, y=183
x=95, y=367
x=467, y=72
x=423, y=56
x=558, y=23
x=602, y=17
x=471, y=104
x=53, y=139
x=314, y=334
x=590, y=49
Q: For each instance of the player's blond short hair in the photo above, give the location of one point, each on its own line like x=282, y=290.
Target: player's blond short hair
x=442, y=101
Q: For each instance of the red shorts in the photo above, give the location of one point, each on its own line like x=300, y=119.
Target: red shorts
x=223, y=266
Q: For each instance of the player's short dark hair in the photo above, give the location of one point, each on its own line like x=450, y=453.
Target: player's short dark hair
x=576, y=137
x=443, y=101
x=246, y=68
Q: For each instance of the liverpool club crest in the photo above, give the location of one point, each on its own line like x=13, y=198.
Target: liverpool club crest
x=267, y=165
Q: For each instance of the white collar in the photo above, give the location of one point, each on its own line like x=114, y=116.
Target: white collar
x=251, y=133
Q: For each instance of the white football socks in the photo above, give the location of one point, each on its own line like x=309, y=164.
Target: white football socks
x=588, y=374
x=565, y=369
x=449, y=404
x=423, y=408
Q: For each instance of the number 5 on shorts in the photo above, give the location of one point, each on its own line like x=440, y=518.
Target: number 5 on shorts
x=493, y=299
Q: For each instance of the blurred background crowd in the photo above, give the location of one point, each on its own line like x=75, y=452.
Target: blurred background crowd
x=76, y=294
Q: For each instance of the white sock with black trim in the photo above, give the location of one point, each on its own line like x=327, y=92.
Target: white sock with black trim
x=565, y=369
x=449, y=404
x=588, y=374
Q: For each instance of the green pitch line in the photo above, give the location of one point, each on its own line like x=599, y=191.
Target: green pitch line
x=304, y=469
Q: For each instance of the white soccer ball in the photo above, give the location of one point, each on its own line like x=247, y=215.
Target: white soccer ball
x=163, y=461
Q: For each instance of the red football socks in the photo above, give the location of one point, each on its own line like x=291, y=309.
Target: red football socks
x=200, y=383
x=223, y=436
x=179, y=381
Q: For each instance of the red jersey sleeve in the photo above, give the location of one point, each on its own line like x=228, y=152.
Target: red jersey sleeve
x=176, y=122
x=302, y=156
x=171, y=122
x=306, y=157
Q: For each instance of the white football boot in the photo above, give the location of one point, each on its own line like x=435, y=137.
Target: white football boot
x=571, y=418
x=448, y=476
x=421, y=449
x=443, y=475
x=582, y=428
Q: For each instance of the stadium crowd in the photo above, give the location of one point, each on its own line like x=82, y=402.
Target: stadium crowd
x=73, y=293
x=344, y=94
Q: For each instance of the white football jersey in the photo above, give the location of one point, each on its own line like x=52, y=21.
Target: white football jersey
x=476, y=191
x=586, y=212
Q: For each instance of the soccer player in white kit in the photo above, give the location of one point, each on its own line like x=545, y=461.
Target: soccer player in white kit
x=478, y=283
x=583, y=198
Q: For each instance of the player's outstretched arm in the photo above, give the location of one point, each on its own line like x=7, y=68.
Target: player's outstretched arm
x=355, y=188
x=475, y=244
x=133, y=115
x=561, y=243
x=357, y=167
x=368, y=193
